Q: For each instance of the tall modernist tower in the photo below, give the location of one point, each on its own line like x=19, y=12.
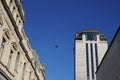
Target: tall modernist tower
x=90, y=47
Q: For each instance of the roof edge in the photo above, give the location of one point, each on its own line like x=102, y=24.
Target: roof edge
x=108, y=49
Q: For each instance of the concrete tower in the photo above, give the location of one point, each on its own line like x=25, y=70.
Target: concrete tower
x=90, y=47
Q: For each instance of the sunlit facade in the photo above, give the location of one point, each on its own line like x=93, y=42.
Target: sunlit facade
x=90, y=47
x=17, y=60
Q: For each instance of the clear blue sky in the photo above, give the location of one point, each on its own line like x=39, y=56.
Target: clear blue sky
x=55, y=22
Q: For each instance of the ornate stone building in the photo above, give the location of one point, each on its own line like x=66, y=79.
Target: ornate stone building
x=17, y=60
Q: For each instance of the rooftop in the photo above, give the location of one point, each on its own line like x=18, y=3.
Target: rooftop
x=90, y=30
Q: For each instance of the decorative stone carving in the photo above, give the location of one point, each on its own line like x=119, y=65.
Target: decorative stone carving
x=13, y=42
x=6, y=29
x=1, y=20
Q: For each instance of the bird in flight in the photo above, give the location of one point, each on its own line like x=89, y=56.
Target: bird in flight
x=56, y=46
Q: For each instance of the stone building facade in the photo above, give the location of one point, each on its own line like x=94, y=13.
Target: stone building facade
x=17, y=60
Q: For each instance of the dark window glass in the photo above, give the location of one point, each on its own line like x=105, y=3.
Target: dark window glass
x=91, y=36
x=96, y=55
x=87, y=61
x=92, y=61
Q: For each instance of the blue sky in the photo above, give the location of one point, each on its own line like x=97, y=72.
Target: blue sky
x=55, y=22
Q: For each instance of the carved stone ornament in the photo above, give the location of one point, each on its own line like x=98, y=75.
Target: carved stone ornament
x=6, y=29
x=1, y=20
x=13, y=42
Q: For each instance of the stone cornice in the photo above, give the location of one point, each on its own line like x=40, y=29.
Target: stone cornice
x=11, y=18
x=20, y=9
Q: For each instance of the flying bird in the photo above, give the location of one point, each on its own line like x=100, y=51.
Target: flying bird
x=56, y=46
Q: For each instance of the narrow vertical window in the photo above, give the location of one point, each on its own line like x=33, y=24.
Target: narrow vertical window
x=2, y=47
x=7, y=35
x=96, y=52
x=13, y=10
x=16, y=17
x=87, y=62
x=92, y=61
x=10, y=58
x=23, y=72
x=10, y=3
x=17, y=61
x=19, y=24
x=29, y=75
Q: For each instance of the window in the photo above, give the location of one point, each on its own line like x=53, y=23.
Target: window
x=17, y=61
x=79, y=36
x=16, y=17
x=91, y=36
x=13, y=10
x=19, y=23
x=7, y=34
x=2, y=47
x=92, y=61
x=96, y=55
x=23, y=72
x=10, y=58
x=87, y=61
x=10, y=3
x=29, y=75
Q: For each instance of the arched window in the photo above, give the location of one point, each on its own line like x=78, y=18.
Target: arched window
x=17, y=61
